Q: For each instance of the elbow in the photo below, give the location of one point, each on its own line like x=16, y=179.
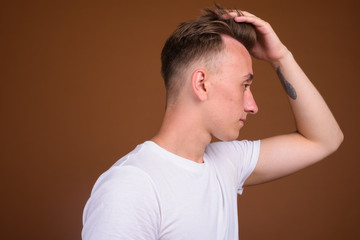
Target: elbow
x=341, y=137
x=336, y=142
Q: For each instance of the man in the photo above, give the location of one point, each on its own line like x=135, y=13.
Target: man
x=181, y=186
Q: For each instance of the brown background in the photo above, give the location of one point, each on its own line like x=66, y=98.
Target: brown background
x=81, y=87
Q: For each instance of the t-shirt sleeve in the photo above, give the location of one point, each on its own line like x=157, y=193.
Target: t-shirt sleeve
x=122, y=205
x=250, y=156
x=237, y=158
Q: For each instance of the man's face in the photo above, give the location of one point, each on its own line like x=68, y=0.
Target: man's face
x=230, y=98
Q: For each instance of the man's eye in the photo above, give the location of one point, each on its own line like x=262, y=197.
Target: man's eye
x=246, y=85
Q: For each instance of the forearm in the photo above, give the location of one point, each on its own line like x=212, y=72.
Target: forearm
x=318, y=133
x=314, y=119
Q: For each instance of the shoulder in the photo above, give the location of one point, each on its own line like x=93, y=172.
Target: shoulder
x=235, y=160
x=122, y=196
x=233, y=148
x=126, y=175
x=123, y=181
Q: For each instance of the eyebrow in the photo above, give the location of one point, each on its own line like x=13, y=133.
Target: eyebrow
x=249, y=77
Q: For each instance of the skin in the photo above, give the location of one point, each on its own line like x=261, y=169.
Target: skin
x=211, y=104
x=289, y=89
x=215, y=104
x=229, y=95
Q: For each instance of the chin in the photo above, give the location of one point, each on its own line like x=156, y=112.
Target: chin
x=230, y=137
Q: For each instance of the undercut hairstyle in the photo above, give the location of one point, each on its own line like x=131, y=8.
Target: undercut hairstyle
x=200, y=39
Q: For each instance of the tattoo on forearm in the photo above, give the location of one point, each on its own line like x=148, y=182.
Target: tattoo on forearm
x=289, y=89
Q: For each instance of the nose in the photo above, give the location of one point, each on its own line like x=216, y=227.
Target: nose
x=250, y=104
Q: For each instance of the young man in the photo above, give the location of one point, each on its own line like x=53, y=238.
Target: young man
x=181, y=186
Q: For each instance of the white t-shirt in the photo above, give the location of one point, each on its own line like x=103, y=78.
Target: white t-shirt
x=153, y=194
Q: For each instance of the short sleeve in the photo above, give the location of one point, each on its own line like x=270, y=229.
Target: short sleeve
x=236, y=157
x=122, y=205
x=250, y=151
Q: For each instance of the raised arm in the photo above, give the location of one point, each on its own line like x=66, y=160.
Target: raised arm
x=318, y=133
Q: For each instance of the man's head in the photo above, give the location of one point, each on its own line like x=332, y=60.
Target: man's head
x=199, y=41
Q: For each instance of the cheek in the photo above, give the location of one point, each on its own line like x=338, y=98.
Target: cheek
x=228, y=102
x=234, y=102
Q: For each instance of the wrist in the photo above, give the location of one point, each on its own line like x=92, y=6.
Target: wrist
x=285, y=57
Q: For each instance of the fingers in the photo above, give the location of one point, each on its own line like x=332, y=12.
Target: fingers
x=244, y=16
x=250, y=18
x=247, y=17
x=236, y=13
x=231, y=14
x=245, y=13
x=262, y=26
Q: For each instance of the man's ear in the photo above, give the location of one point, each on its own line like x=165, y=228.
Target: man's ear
x=199, y=84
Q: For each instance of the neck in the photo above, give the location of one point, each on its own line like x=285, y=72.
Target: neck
x=180, y=134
